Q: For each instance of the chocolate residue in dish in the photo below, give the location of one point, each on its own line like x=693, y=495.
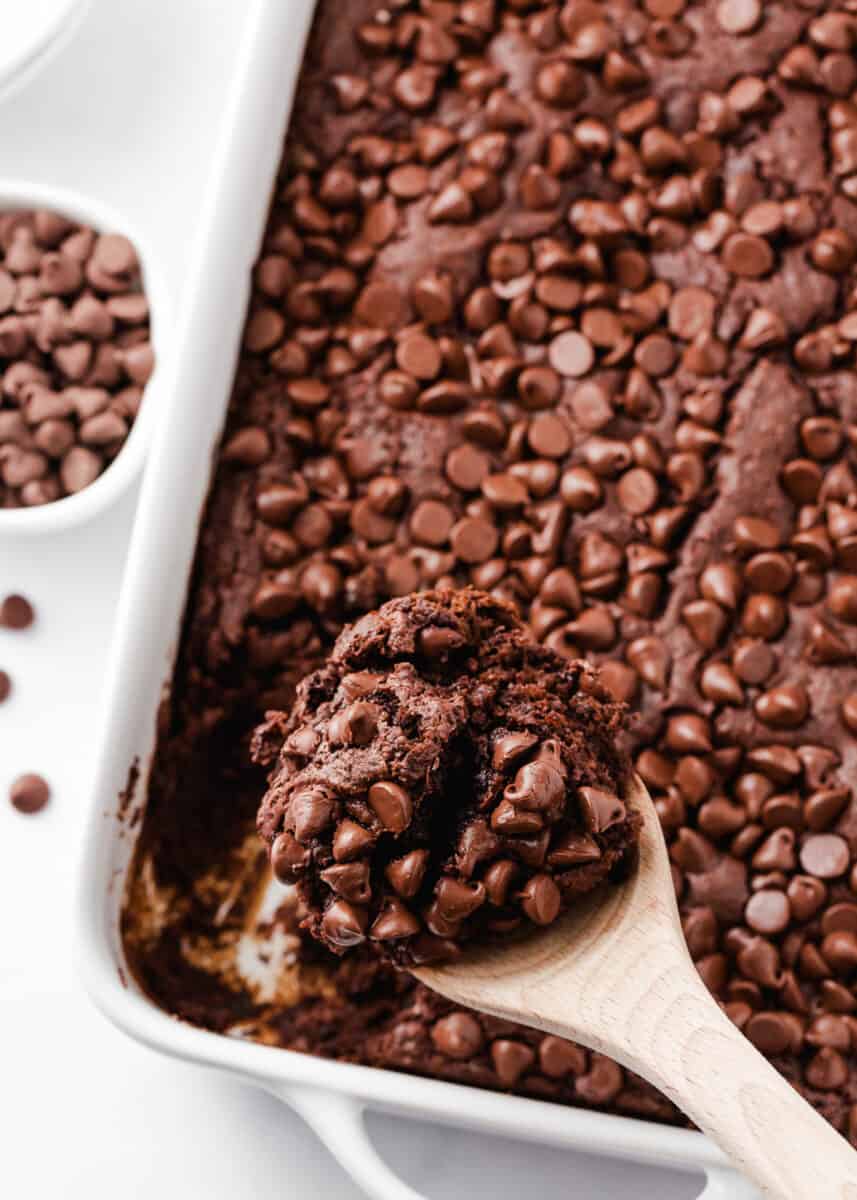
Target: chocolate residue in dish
x=127, y=797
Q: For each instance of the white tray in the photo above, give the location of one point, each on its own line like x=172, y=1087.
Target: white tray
x=197, y=321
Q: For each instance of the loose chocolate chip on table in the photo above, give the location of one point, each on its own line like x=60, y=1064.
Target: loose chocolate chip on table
x=29, y=793
x=5, y=686
x=16, y=612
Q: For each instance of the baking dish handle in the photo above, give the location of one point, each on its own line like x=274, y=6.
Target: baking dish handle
x=723, y=1184
x=338, y=1122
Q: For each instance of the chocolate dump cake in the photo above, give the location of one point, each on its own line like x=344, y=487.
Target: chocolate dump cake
x=555, y=300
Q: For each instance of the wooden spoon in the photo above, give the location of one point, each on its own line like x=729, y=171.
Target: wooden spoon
x=615, y=975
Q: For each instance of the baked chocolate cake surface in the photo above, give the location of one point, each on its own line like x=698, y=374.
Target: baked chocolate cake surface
x=443, y=778
x=558, y=301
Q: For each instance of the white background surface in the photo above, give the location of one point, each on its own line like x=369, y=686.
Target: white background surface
x=84, y=1112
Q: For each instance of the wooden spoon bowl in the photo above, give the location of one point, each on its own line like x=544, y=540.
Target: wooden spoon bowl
x=615, y=975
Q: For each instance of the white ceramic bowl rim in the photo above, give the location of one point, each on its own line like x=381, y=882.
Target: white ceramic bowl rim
x=73, y=510
x=31, y=31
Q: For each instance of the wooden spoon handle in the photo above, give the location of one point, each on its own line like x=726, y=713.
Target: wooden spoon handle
x=700, y=1060
x=677, y=1037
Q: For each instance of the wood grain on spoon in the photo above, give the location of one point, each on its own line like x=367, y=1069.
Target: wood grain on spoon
x=615, y=975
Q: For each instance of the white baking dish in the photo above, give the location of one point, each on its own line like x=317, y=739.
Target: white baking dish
x=331, y=1096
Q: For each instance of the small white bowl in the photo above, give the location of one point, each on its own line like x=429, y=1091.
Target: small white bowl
x=126, y=466
x=31, y=28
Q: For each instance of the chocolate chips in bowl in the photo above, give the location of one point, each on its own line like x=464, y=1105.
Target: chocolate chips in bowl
x=443, y=778
x=75, y=357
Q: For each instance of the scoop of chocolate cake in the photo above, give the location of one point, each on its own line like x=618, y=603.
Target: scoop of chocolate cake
x=443, y=778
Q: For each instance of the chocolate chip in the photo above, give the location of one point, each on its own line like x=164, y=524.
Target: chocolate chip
x=29, y=793
x=511, y=1060
x=288, y=857
x=79, y=468
x=466, y=467
x=637, y=491
x=572, y=850
x=419, y=355
x=688, y=733
x=764, y=616
x=752, y=661
x=350, y=841
x=498, y=881
x=768, y=912
x=827, y=1070
x=571, y=354
x=537, y=787
x=651, y=658
x=394, y=922
x=541, y=900
x=458, y=1036
x=706, y=620
x=825, y=855
x=344, y=925
x=549, y=436
x=833, y=251
x=601, y=810
x=839, y=950
x=456, y=900
x=602, y=1083
x=407, y=873
x=431, y=523
x=510, y=748
x=354, y=726
x=392, y=805
x=769, y=1032
x=473, y=539
x=747, y=256
x=784, y=707
x=16, y=612
x=739, y=16
x=438, y=643
x=560, y=83
x=842, y=599
x=806, y=896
